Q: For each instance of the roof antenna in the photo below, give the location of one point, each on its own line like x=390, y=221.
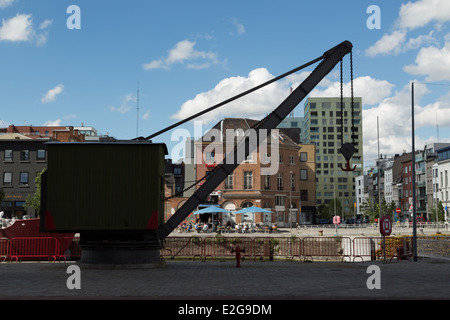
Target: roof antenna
x=137, y=112
x=437, y=128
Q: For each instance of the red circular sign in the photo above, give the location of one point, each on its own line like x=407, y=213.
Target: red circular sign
x=385, y=225
x=398, y=210
x=336, y=220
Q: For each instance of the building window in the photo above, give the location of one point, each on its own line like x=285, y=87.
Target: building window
x=280, y=181
x=229, y=182
x=23, y=179
x=248, y=180
x=210, y=157
x=247, y=204
x=280, y=201
x=304, y=195
x=7, y=179
x=291, y=159
x=303, y=174
x=8, y=155
x=303, y=156
x=292, y=181
x=267, y=182
x=25, y=155
x=41, y=155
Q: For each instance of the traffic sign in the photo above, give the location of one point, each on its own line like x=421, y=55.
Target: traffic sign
x=398, y=210
x=336, y=220
x=385, y=225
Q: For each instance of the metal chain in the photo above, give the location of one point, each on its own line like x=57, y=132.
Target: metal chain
x=352, y=99
x=342, y=104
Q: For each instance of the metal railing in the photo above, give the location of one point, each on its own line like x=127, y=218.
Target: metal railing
x=306, y=248
x=39, y=248
x=338, y=248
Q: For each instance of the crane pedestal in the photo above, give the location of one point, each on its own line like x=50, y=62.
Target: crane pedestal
x=120, y=248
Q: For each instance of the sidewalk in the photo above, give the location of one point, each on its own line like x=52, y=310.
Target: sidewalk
x=424, y=279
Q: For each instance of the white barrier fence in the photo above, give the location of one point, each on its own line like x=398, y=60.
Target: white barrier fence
x=367, y=229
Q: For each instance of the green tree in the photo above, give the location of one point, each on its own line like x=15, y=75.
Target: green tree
x=383, y=207
x=327, y=211
x=34, y=201
x=441, y=212
x=369, y=208
x=391, y=208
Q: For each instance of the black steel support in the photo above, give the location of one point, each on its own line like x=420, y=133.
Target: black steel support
x=330, y=59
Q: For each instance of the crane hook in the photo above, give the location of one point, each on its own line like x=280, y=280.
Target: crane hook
x=347, y=150
x=347, y=168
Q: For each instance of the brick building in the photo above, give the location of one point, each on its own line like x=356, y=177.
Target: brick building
x=23, y=154
x=250, y=184
x=21, y=159
x=61, y=133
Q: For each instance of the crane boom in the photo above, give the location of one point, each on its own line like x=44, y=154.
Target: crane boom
x=330, y=59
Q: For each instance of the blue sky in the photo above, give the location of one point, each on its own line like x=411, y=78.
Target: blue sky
x=189, y=55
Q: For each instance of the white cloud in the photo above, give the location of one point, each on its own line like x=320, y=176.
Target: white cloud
x=146, y=115
x=125, y=105
x=240, y=29
x=20, y=28
x=45, y=24
x=387, y=44
x=256, y=105
x=182, y=52
x=51, y=94
x=418, y=14
x=372, y=91
x=6, y=3
x=412, y=15
x=433, y=62
x=394, y=114
x=53, y=123
x=396, y=43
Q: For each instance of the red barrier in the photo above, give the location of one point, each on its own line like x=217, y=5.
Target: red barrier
x=4, y=248
x=33, y=247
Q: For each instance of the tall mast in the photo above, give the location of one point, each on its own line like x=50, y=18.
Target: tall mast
x=137, y=112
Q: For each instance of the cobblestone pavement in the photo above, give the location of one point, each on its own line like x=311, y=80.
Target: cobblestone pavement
x=283, y=280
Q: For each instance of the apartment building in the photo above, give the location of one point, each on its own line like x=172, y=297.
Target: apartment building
x=21, y=160
x=327, y=127
x=23, y=154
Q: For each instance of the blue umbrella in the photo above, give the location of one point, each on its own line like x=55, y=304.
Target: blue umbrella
x=253, y=209
x=211, y=209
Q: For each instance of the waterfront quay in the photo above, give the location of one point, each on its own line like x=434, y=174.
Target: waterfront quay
x=280, y=279
x=217, y=280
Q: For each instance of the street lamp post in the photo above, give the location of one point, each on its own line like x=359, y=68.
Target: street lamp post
x=413, y=175
x=290, y=199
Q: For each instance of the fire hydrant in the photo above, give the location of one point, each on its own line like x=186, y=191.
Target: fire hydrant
x=238, y=251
